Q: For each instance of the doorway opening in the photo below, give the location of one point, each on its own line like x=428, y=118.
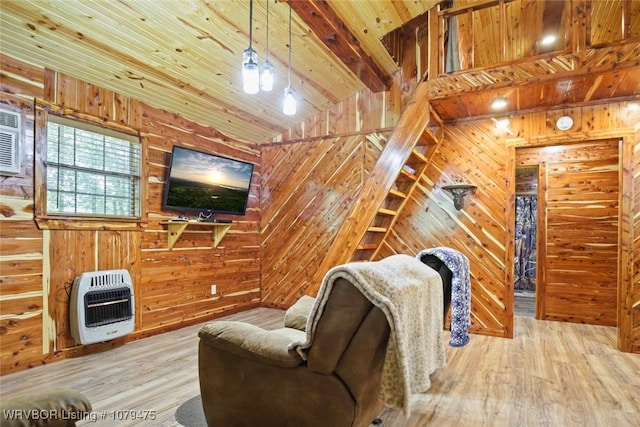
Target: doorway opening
x=525, y=263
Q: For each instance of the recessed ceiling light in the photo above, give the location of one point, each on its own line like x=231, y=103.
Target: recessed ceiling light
x=548, y=40
x=499, y=103
x=564, y=123
x=502, y=124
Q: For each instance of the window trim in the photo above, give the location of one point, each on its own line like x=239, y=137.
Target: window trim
x=80, y=222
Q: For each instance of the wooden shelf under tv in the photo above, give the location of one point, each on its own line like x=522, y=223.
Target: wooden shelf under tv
x=176, y=228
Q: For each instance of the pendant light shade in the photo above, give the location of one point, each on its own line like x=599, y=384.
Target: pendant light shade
x=289, y=104
x=250, y=72
x=267, y=75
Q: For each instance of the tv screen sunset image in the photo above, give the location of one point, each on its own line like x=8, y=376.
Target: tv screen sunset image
x=206, y=182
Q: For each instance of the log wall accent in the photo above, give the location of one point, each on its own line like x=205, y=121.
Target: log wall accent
x=172, y=287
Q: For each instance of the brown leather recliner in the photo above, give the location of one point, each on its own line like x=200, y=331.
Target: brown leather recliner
x=249, y=377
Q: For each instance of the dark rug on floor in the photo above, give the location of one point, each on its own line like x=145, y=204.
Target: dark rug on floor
x=190, y=413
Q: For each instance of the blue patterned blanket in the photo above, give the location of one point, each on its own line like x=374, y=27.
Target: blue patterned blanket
x=458, y=263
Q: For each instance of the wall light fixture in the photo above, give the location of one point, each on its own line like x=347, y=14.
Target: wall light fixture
x=458, y=191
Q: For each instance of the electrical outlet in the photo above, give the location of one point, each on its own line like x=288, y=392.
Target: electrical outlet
x=213, y=289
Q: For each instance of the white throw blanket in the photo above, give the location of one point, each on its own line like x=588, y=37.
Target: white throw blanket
x=411, y=297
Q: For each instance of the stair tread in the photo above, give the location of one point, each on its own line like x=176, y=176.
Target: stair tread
x=397, y=193
x=368, y=246
x=385, y=211
x=408, y=175
x=419, y=155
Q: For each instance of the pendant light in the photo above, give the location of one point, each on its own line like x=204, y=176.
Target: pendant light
x=289, y=104
x=266, y=70
x=250, y=72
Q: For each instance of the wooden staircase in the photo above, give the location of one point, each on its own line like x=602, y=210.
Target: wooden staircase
x=389, y=185
x=400, y=192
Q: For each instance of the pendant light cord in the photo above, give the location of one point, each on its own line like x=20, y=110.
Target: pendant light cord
x=289, y=44
x=268, y=30
x=250, y=22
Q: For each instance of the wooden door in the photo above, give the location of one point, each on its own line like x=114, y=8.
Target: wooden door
x=578, y=247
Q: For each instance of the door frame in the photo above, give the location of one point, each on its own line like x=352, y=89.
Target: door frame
x=541, y=240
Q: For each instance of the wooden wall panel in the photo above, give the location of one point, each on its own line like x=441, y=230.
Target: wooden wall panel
x=582, y=235
x=283, y=247
x=20, y=78
x=307, y=189
x=365, y=112
x=629, y=338
x=21, y=264
x=471, y=152
x=479, y=153
x=580, y=216
x=527, y=180
x=172, y=287
x=600, y=122
x=21, y=342
x=177, y=283
x=310, y=177
x=483, y=230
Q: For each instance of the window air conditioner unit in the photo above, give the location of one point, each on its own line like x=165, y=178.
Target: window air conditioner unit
x=9, y=142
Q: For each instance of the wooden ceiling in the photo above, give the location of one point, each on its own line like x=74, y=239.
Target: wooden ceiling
x=184, y=56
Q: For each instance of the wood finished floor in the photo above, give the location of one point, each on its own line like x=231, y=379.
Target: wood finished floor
x=525, y=304
x=550, y=374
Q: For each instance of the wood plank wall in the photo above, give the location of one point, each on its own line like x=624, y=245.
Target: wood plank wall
x=477, y=152
x=472, y=152
x=21, y=261
x=629, y=339
x=307, y=190
x=364, y=113
x=578, y=215
x=484, y=156
x=172, y=287
x=311, y=176
x=326, y=156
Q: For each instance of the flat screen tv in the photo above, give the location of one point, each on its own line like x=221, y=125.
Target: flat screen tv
x=206, y=184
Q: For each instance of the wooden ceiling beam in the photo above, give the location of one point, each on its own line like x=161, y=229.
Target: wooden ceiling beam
x=335, y=34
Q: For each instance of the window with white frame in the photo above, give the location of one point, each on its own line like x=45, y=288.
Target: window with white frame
x=91, y=171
